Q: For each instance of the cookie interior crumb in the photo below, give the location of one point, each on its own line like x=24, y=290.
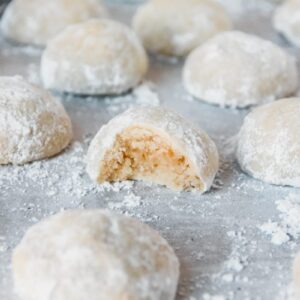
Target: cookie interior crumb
x=143, y=154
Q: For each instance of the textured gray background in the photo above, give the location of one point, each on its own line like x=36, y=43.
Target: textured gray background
x=198, y=227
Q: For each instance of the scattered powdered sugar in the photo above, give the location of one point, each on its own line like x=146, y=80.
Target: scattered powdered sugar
x=144, y=94
x=33, y=74
x=116, y=187
x=238, y=259
x=212, y=297
x=288, y=293
x=288, y=228
x=62, y=183
x=49, y=175
x=130, y=201
x=234, y=264
x=278, y=234
x=3, y=245
x=65, y=176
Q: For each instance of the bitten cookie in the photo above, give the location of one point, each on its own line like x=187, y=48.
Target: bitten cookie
x=155, y=145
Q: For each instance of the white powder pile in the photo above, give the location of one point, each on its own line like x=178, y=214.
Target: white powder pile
x=212, y=297
x=288, y=293
x=33, y=74
x=61, y=174
x=288, y=228
x=130, y=201
x=3, y=245
x=64, y=184
x=143, y=95
x=237, y=260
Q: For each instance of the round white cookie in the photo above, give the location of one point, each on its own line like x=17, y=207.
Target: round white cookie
x=238, y=69
x=94, y=57
x=37, y=21
x=33, y=124
x=269, y=143
x=94, y=254
x=154, y=145
x=175, y=27
x=286, y=20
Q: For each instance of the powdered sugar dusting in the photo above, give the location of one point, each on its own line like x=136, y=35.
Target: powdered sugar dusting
x=206, y=231
x=133, y=266
x=288, y=228
x=109, y=60
x=144, y=94
x=36, y=22
x=33, y=74
x=268, y=143
x=195, y=143
x=25, y=130
x=212, y=71
x=195, y=22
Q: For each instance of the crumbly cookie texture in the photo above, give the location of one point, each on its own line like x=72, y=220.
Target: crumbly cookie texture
x=38, y=21
x=237, y=69
x=94, y=254
x=268, y=144
x=33, y=124
x=94, y=57
x=175, y=27
x=156, y=145
x=286, y=20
